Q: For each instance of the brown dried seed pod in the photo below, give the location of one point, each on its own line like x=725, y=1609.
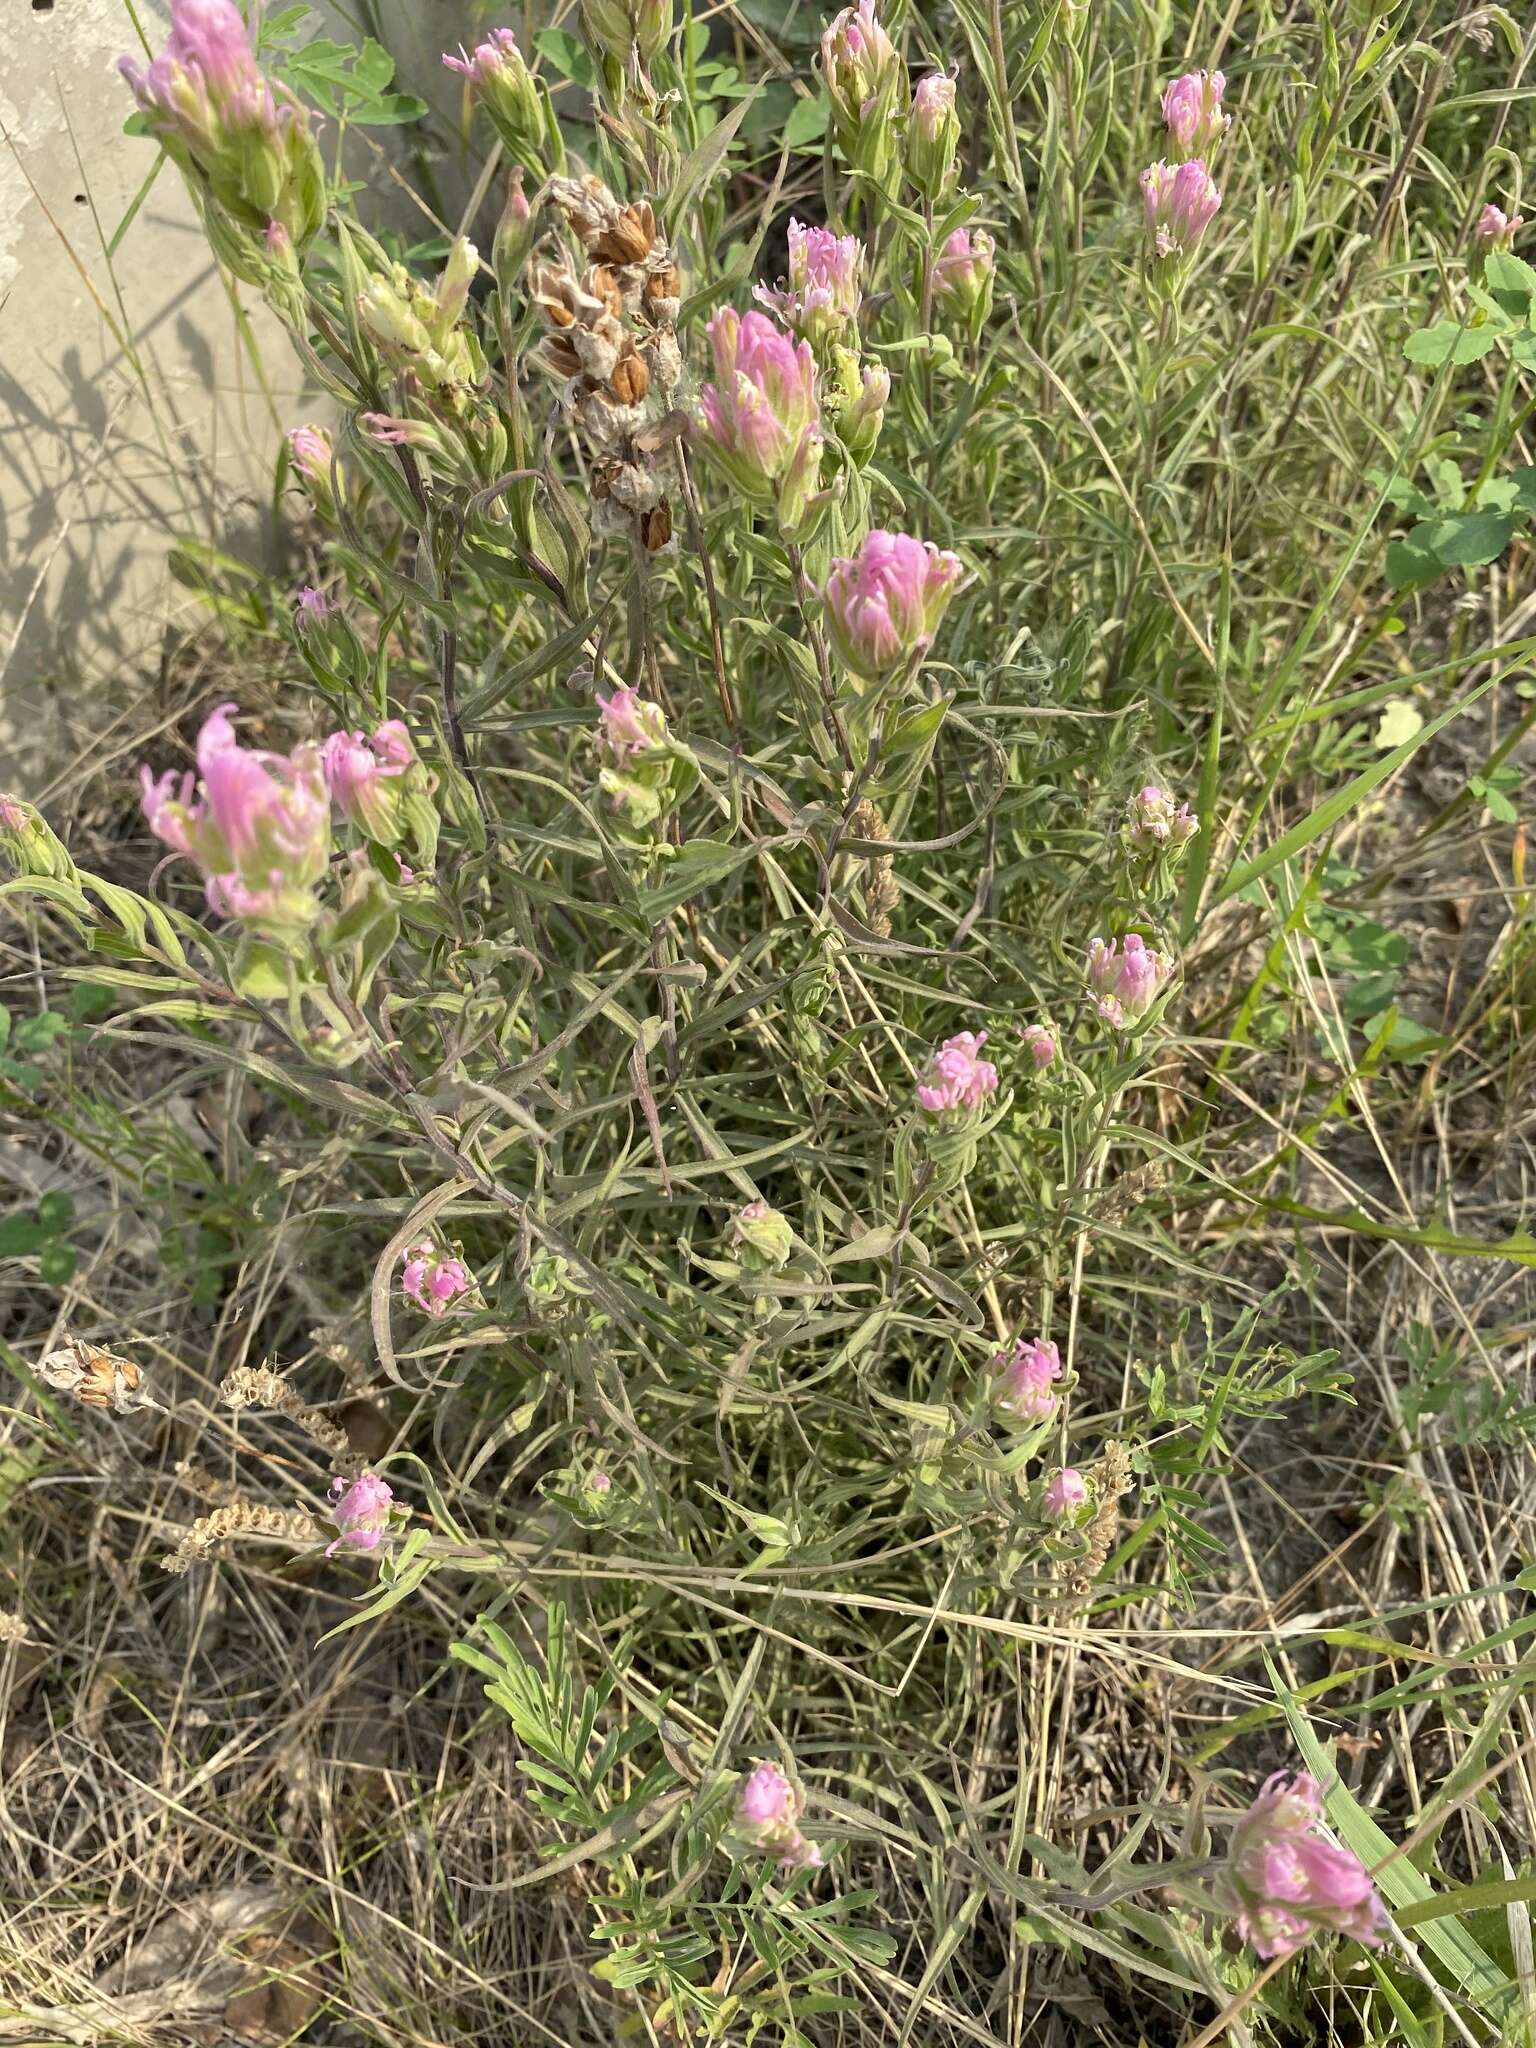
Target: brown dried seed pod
x=630, y=379
x=656, y=528
x=626, y=238
x=663, y=284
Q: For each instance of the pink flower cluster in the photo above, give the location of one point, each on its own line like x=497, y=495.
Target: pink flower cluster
x=820, y=297
x=1024, y=1380
x=760, y=419
x=360, y=1509
x=884, y=604
x=205, y=82
x=259, y=826
x=1152, y=823
x=963, y=272
x=1192, y=113
x=1040, y=1042
x=858, y=62
x=768, y=1811
x=1180, y=202
x=363, y=773
x=956, y=1078
x=629, y=724
x=1126, y=976
x=311, y=450
x=433, y=1279
x=490, y=57
x=1288, y=1881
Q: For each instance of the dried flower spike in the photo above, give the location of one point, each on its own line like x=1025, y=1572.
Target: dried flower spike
x=96, y=1378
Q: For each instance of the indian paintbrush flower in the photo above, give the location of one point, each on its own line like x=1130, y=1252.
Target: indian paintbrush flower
x=866, y=84
x=859, y=421
x=1153, y=825
x=613, y=28
x=248, y=160
x=759, y=420
x=434, y=1279
x=820, y=298
x=1040, y=1042
x=883, y=605
x=496, y=75
x=761, y=1238
x=956, y=1078
x=1063, y=1493
x=1192, y=113
x=418, y=331
x=360, y=1509
x=1024, y=1380
x=365, y=776
x=933, y=135
x=1126, y=976
x=768, y=1809
x=259, y=826
x=963, y=273
x=1497, y=229
x=1179, y=202
x=644, y=772
x=1287, y=1881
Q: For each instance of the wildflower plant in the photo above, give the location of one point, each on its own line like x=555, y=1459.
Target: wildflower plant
x=731, y=1016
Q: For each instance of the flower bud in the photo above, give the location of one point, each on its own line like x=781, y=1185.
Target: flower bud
x=310, y=452
x=1497, y=229
x=1024, y=1380
x=433, y=1279
x=1127, y=977
x=768, y=1809
x=1192, y=113
x=884, y=605
x=514, y=238
x=866, y=83
x=1287, y=1882
x=360, y=1509
x=963, y=274
x=762, y=1238
x=859, y=424
x=29, y=845
x=612, y=28
x=933, y=135
x=1040, y=1041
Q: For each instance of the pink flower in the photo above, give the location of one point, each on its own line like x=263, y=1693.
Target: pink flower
x=1041, y=1044
x=963, y=272
x=260, y=828
x=391, y=432
x=1192, y=112
x=311, y=449
x=630, y=724
x=883, y=605
x=1180, y=201
x=360, y=1509
x=599, y=1482
x=13, y=813
x=1025, y=1377
x=1288, y=1881
x=1497, y=229
x=1065, y=1492
x=765, y=1798
x=432, y=1280
x=1126, y=976
x=1152, y=823
x=933, y=135
x=253, y=161
x=759, y=419
x=493, y=55
x=860, y=66
x=799, y=1854
x=933, y=100
x=821, y=296
x=954, y=1078
x=363, y=773
x=312, y=609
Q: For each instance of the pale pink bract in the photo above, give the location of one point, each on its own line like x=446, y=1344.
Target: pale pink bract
x=359, y=770
x=1126, y=975
x=1287, y=1881
x=1192, y=112
x=433, y=1280
x=765, y=1797
x=761, y=410
x=1497, y=229
x=492, y=55
x=955, y=1078
x=1041, y=1044
x=1180, y=201
x=1024, y=1386
x=821, y=295
x=630, y=724
x=360, y=1509
x=884, y=604
x=1065, y=1491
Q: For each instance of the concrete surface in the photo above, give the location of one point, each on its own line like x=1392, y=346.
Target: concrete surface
x=137, y=402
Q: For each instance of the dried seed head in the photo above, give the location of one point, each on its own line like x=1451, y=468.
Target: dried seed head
x=656, y=528
x=630, y=379
x=627, y=236
x=96, y=1378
